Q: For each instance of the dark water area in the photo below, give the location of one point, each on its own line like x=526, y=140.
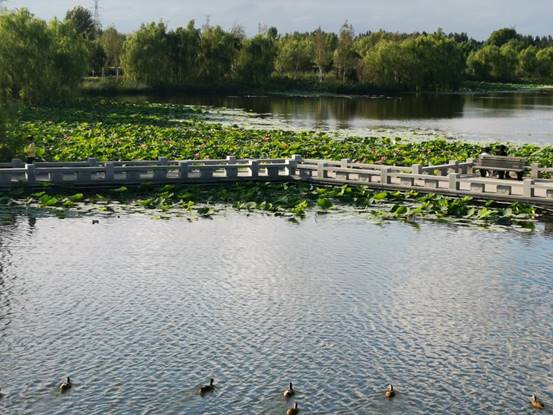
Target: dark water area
x=141, y=312
x=518, y=116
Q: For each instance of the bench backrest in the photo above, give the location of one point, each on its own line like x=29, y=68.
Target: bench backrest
x=504, y=162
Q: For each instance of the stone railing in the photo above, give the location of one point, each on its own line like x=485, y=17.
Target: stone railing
x=454, y=178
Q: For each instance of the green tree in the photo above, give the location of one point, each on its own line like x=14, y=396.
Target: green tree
x=323, y=49
x=294, y=55
x=184, y=52
x=345, y=57
x=545, y=63
x=493, y=63
x=39, y=62
x=502, y=36
x=82, y=21
x=256, y=60
x=145, y=57
x=111, y=42
x=218, y=52
x=528, y=63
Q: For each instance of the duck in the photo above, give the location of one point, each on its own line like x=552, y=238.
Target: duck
x=288, y=393
x=65, y=385
x=207, y=388
x=536, y=403
x=390, y=392
x=293, y=411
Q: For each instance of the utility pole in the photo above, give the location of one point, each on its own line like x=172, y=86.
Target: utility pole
x=97, y=13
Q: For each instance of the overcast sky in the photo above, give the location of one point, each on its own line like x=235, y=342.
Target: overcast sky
x=476, y=17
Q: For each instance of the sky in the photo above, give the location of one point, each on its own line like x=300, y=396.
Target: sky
x=476, y=17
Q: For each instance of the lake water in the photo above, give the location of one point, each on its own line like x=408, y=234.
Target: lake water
x=140, y=312
x=517, y=117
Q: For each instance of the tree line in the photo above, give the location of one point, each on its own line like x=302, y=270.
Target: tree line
x=42, y=61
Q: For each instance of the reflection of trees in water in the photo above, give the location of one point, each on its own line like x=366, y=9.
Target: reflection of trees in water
x=509, y=103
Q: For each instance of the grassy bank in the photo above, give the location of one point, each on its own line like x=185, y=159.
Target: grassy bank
x=114, y=87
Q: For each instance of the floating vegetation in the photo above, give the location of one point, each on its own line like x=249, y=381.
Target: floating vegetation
x=290, y=200
x=132, y=131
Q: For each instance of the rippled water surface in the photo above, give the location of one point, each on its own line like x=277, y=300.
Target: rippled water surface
x=141, y=312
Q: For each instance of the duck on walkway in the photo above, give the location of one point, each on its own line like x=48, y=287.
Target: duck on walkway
x=65, y=385
x=390, y=392
x=293, y=411
x=288, y=393
x=536, y=403
x=207, y=388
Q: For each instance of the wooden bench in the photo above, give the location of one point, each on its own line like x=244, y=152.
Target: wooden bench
x=501, y=165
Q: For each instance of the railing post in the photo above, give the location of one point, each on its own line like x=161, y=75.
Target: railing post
x=321, y=170
x=384, y=175
x=184, y=169
x=344, y=163
x=527, y=189
x=92, y=162
x=534, y=170
x=109, y=171
x=161, y=174
x=254, y=168
x=455, y=164
x=469, y=165
x=454, y=181
x=416, y=168
x=30, y=173
x=292, y=164
x=231, y=172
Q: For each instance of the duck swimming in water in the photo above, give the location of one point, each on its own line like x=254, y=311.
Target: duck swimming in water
x=390, y=392
x=288, y=393
x=536, y=403
x=207, y=388
x=293, y=411
x=65, y=385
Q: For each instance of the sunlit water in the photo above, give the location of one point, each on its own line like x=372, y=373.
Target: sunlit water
x=140, y=312
x=518, y=117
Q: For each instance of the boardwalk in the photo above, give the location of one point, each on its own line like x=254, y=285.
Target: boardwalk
x=452, y=179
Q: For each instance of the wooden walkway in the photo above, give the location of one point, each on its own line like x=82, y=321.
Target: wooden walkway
x=452, y=179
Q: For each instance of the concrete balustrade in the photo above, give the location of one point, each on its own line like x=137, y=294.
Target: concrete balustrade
x=454, y=178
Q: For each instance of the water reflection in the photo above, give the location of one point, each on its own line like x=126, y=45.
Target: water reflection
x=522, y=117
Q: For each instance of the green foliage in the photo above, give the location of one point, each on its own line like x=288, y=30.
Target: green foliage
x=256, y=60
x=493, y=63
x=82, y=22
x=345, y=57
x=111, y=42
x=430, y=62
x=292, y=200
x=294, y=56
x=145, y=58
x=218, y=51
x=39, y=62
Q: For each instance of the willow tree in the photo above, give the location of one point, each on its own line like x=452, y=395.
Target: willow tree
x=256, y=61
x=218, y=53
x=39, y=62
x=145, y=58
